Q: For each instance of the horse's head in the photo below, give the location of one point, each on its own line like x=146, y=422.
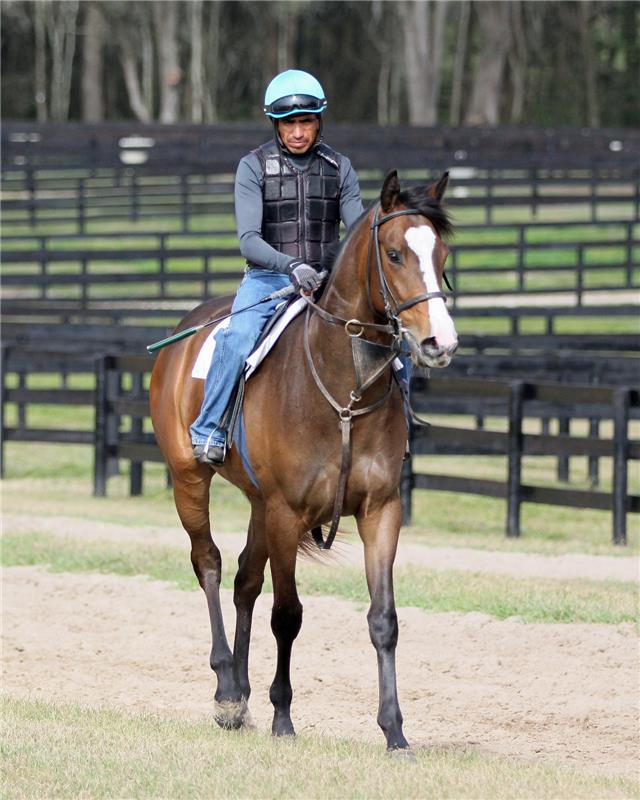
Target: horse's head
x=407, y=283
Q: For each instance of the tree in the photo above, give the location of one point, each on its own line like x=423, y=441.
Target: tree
x=165, y=18
x=423, y=24
x=495, y=41
x=93, y=63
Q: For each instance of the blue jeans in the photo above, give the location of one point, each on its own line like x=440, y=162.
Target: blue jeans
x=233, y=345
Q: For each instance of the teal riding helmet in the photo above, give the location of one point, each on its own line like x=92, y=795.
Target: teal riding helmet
x=294, y=92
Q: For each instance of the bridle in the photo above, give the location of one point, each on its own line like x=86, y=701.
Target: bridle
x=354, y=328
x=388, y=298
x=392, y=308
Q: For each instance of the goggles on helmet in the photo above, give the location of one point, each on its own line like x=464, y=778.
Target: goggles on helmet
x=295, y=104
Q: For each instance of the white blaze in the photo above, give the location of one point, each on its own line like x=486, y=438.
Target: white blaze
x=422, y=240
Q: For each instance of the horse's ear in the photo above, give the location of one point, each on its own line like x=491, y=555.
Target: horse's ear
x=390, y=191
x=437, y=190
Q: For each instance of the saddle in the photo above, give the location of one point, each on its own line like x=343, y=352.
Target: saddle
x=232, y=421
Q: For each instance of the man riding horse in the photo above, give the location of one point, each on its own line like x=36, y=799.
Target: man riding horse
x=290, y=195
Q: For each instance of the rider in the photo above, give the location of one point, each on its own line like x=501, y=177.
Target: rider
x=290, y=195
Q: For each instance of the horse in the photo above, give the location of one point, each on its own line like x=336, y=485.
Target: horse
x=324, y=399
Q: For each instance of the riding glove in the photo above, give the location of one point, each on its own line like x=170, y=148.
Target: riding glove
x=303, y=277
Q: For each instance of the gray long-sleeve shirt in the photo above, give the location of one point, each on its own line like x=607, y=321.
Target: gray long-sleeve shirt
x=248, y=204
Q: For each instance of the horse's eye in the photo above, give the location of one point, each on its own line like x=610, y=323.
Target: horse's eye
x=393, y=256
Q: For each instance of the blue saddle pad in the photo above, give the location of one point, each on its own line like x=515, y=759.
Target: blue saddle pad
x=240, y=441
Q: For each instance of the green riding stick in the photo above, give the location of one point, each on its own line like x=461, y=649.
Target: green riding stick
x=177, y=337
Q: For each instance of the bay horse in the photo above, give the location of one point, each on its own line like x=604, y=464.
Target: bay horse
x=310, y=395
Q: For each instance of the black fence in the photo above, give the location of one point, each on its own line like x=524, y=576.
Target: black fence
x=28, y=146
x=78, y=174
x=86, y=202
x=121, y=430
x=514, y=401
x=514, y=260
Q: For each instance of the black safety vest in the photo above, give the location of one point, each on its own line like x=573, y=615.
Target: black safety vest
x=300, y=208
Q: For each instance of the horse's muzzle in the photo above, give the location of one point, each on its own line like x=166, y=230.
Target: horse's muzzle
x=429, y=353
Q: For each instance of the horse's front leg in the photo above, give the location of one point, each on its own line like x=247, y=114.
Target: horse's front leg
x=286, y=615
x=379, y=531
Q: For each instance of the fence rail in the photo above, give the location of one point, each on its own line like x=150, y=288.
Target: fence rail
x=120, y=393
x=133, y=200
x=165, y=266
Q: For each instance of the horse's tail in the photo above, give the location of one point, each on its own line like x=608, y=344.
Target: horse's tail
x=311, y=544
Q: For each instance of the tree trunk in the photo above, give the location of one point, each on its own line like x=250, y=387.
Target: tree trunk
x=61, y=28
x=287, y=26
x=593, y=110
x=455, y=106
x=493, y=18
x=92, y=69
x=132, y=81
x=165, y=16
x=423, y=26
x=148, y=60
x=518, y=63
x=40, y=76
x=197, y=95
x=212, y=63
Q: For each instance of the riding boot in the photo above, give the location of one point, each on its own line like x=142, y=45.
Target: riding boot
x=212, y=452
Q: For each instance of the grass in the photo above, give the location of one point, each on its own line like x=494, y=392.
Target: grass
x=53, y=750
x=56, y=479
x=503, y=597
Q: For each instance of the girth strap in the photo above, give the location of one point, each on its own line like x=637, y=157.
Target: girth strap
x=346, y=414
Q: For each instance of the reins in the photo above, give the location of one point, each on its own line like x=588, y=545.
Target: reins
x=354, y=328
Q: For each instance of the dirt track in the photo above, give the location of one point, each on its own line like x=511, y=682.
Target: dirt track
x=563, y=692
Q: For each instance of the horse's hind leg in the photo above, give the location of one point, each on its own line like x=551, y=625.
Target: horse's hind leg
x=191, y=492
x=248, y=584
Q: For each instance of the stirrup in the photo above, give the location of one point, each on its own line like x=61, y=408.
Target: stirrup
x=213, y=454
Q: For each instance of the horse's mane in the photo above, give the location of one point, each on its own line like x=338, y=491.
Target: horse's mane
x=429, y=207
x=413, y=197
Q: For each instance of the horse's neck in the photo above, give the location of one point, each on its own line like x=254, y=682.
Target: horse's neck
x=346, y=293
x=345, y=297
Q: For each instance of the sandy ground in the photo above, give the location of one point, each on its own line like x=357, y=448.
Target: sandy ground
x=568, y=693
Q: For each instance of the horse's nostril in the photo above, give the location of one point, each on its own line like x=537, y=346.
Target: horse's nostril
x=430, y=342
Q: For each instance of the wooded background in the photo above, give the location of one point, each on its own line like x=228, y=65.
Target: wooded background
x=421, y=63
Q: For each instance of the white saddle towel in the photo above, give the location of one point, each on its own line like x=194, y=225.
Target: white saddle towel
x=203, y=362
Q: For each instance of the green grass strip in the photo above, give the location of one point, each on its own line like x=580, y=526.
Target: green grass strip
x=67, y=751
x=529, y=599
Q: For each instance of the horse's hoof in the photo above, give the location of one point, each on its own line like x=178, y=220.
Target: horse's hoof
x=404, y=754
x=232, y=714
x=283, y=730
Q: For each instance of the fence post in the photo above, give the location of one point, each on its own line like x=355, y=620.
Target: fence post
x=21, y=405
x=112, y=426
x=564, y=429
x=81, y=208
x=594, y=461
x=100, y=450
x=621, y=399
x=3, y=379
x=135, y=473
x=514, y=484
